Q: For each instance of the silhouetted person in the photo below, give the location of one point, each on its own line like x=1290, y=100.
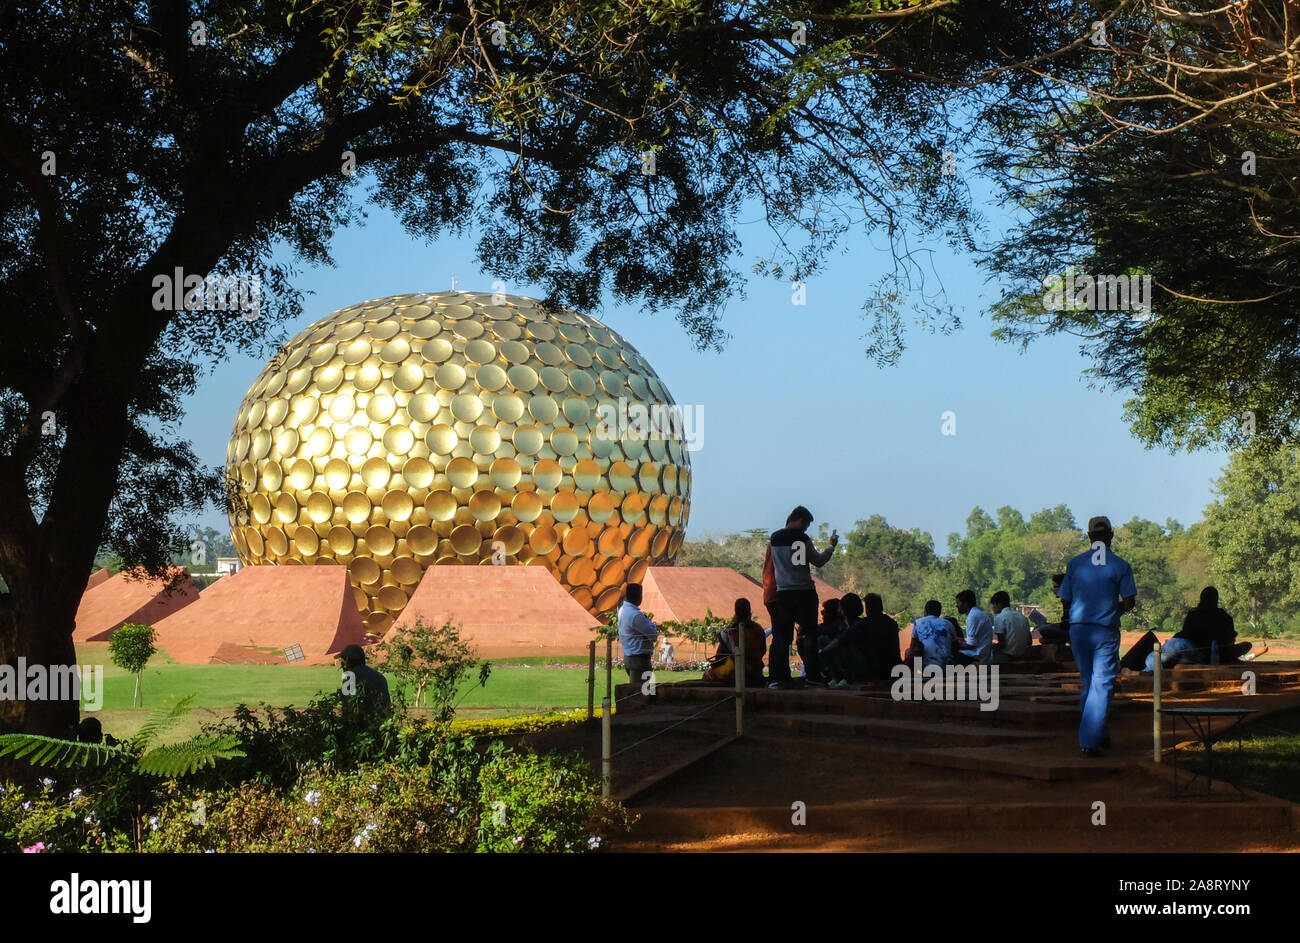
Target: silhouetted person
x=365, y=681
x=790, y=558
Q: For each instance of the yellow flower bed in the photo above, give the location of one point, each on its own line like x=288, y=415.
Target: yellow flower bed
x=513, y=726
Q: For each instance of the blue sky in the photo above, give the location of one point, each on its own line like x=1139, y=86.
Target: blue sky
x=795, y=413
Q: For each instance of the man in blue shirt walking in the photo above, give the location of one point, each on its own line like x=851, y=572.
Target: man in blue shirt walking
x=1098, y=588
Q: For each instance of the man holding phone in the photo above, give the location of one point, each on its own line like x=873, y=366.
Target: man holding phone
x=791, y=596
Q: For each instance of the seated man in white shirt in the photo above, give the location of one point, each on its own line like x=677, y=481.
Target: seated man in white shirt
x=1011, y=632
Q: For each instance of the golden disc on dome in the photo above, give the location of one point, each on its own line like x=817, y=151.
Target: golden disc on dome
x=358, y=440
x=621, y=477
x=307, y=541
x=397, y=506
x=527, y=505
x=543, y=409
x=485, y=505
x=508, y=407
x=586, y=474
x=253, y=537
x=638, y=545
x=341, y=540
x=675, y=511
x=522, y=377
x=272, y=475
x=601, y=507
x=450, y=376
x=479, y=351
x=276, y=541
x=462, y=472
x=611, y=382
x=583, y=383
x=422, y=539
x=441, y=439
x=670, y=480
x=467, y=408
x=287, y=443
x=633, y=507
x=575, y=541
x=505, y=473
x=395, y=351
x=441, y=505
x=398, y=440
x=259, y=508
x=636, y=572
x=485, y=440
x=581, y=572
x=408, y=377
x=543, y=539
x=380, y=540
x=660, y=544
x=247, y=475
x=490, y=377
x=376, y=473
x=548, y=353
x=466, y=539
x=356, y=351
x=406, y=570
x=437, y=350
x=356, y=507
x=609, y=599
x=320, y=442
x=286, y=508
x=319, y=508
x=367, y=377
x=513, y=538
x=337, y=473
x=576, y=410
x=547, y=474
x=364, y=570
x=381, y=407
x=423, y=330
x=564, y=441
x=418, y=472
x=423, y=407
x=610, y=543
x=554, y=379
x=457, y=312
x=578, y=355
x=417, y=312
x=564, y=505
x=657, y=510
x=378, y=623
x=528, y=439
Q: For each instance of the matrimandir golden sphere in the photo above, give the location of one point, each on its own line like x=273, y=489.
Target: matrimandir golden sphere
x=459, y=428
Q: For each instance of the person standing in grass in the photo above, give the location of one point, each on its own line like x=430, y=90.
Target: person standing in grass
x=360, y=678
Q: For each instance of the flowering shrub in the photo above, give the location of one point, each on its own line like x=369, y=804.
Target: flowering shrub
x=45, y=818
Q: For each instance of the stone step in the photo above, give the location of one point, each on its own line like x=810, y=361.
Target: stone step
x=893, y=731
x=1008, y=762
x=906, y=815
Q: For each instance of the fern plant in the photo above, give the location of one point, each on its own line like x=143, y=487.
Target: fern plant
x=169, y=760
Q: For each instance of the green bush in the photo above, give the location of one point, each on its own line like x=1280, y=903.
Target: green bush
x=542, y=803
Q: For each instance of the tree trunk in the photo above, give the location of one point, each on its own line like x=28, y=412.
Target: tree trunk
x=53, y=646
x=137, y=699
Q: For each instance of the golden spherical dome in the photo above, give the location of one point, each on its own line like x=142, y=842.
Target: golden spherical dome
x=459, y=428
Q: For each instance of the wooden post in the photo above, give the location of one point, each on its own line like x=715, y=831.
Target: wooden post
x=606, y=735
x=739, y=657
x=1155, y=704
x=591, y=680
x=609, y=669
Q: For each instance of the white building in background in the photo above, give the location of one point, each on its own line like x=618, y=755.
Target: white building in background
x=228, y=565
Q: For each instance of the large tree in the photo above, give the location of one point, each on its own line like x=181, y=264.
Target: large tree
x=1166, y=144
x=138, y=138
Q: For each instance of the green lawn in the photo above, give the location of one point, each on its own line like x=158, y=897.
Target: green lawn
x=513, y=688
x=1269, y=760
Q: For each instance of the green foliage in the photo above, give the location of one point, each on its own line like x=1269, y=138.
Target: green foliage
x=1253, y=530
x=432, y=659
x=130, y=648
x=52, y=751
x=531, y=803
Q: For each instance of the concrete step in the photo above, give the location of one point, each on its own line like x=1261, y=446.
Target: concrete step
x=892, y=731
x=1009, y=762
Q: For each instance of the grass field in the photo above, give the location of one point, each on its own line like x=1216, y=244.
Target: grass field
x=515, y=687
